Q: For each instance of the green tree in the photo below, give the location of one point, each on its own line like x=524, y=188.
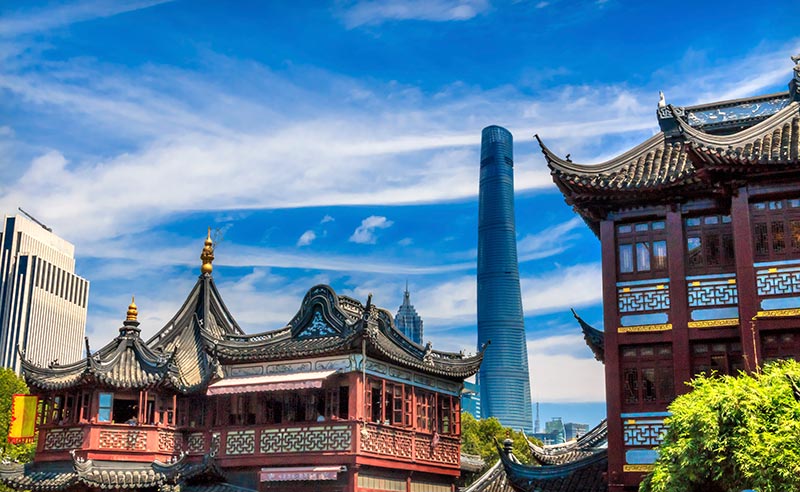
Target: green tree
x=11, y=384
x=478, y=438
x=733, y=433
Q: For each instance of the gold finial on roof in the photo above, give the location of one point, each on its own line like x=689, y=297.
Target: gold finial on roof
x=207, y=256
x=133, y=311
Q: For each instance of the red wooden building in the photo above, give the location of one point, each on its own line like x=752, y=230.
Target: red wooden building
x=700, y=236
x=338, y=400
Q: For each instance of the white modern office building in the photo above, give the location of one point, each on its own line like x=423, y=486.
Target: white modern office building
x=42, y=301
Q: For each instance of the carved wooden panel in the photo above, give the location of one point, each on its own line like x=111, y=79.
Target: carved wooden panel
x=386, y=441
x=306, y=439
x=58, y=439
x=132, y=439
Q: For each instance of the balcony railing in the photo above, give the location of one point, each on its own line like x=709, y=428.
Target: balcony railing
x=140, y=439
x=340, y=437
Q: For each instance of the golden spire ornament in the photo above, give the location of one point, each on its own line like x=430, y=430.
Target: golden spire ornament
x=207, y=256
x=133, y=311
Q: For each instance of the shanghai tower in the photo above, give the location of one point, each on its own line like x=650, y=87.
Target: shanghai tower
x=503, y=378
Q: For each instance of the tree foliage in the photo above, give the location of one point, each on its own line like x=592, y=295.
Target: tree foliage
x=478, y=438
x=733, y=433
x=11, y=384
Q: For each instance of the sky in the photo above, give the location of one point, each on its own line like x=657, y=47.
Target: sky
x=338, y=142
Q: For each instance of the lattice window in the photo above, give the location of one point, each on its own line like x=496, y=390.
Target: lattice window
x=641, y=249
x=776, y=229
x=780, y=345
x=722, y=357
x=709, y=244
x=647, y=376
x=426, y=404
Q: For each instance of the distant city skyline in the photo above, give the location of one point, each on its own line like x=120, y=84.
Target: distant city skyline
x=337, y=143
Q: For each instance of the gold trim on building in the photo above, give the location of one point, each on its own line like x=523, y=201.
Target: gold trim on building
x=711, y=323
x=778, y=313
x=638, y=468
x=644, y=328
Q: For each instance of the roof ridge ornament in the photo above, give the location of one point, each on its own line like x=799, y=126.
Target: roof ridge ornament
x=133, y=310
x=131, y=323
x=662, y=102
x=207, y=256
x=794, y=85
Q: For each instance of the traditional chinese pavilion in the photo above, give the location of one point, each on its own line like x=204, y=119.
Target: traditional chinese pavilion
x=338, y=400
x=700, y=237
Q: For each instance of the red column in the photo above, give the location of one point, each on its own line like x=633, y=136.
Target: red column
x=616, y=450
x=679, y=302
x=745, y=277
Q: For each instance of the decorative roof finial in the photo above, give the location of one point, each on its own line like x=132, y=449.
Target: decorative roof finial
x=662, y=102
x=207, y=256
x=133, y=311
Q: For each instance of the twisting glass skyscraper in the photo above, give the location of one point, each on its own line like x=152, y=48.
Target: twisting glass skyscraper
x=504, y=380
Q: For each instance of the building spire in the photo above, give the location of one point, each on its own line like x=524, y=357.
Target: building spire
x=407, y=320
x=207, y=256
x=133, y=311
x=131, y=324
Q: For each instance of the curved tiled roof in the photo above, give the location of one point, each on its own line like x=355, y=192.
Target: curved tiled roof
x=202, y=320
x=125, y=363
x=594, y=338
x=177, y=356
x=739, y=137
x=115, y=475
x=589, y=444
x=774, y=141
x=329, y=324
x=494, y=480
x=657, y=163
x=586, y=474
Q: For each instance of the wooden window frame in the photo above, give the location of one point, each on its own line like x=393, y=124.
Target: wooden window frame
x=766, y=217
x=639, y=236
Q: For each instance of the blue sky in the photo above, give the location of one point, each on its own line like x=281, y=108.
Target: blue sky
x=338, y=142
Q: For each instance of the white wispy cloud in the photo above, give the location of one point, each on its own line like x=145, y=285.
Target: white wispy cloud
x=379, y=11
x=454, y=302
x=365, y=233
x=549, y=241
x=326, y=219
x=559, y=374
x=306, y=238
x=430, y=142
x=70, y=13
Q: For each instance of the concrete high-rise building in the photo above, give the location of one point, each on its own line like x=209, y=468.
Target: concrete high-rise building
x=574, y=430
x=407, y=320
x=503, y=378
x=42, y=301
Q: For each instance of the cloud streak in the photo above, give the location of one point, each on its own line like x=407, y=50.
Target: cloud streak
x=44, y=20
x=374, y=12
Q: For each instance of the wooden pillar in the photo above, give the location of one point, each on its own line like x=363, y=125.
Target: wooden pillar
x=679, y=302
x=616, y=452
x=745, y=277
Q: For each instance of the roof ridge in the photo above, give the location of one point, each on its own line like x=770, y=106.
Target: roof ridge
x=558, y=164
x=703, y=139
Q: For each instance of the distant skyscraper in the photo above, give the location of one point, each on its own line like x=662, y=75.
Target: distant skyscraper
x=574, y=430
x=407, y=320
x=471, y=399
x=42, y=301
x=503, y=378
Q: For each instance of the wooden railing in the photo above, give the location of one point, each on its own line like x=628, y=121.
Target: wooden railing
x=340, y=437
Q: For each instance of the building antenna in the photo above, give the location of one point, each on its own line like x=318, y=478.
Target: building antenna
x=48, y=229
